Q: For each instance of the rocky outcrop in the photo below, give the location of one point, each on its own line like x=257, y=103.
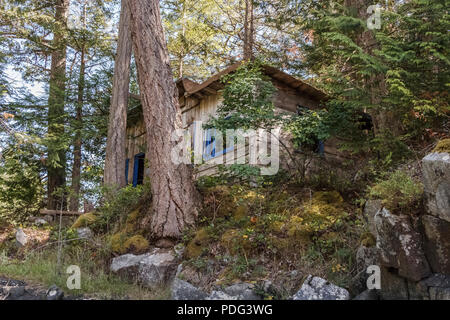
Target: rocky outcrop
x=415, y=259
x=437, y=243
x=315, y=288
x=371, y=208
x=400, y=246
x=436, y=180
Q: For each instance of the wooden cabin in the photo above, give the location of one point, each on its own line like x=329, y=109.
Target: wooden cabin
x=200, y=101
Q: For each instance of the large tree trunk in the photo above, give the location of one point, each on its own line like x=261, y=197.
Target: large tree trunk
x=56, y=150
x=77, y=144
x=175, y=197
x=117, y=130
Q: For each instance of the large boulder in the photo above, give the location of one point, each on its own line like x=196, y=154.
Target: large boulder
x=365, y=257
x=127, y=265
x=370, y=210
x=393, y=287
x=436, y=180
x=437, y=243
x=435, y=287
x=400, y=246
x=182, y=290
x=315, y=288
x=157, y=268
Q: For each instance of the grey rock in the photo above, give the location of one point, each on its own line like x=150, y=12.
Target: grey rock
x=21, y=237
x=393, y=287
x=85, y=233
x=54, y=293
x=437, y=243
x=367, y=295
x=182, y=290
x=400, y=246
x=40, y=222
x=243, y=291
x=435, y=287
x=358, y=283
x=157, y=268
x=13, y=292
x=126, y=265
x=366, y=257
x=436, y=180
x=439, y=293
x=220, y=295
x=179, y=250
x=315, y=288
x=370, y=210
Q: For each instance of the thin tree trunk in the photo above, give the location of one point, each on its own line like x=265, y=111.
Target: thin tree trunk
x=76, y=169
x=117, y=130
x=175, y=198
x=56, y=150
x=249, y=32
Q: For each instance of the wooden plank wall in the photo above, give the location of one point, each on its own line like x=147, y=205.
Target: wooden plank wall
x=196, y=108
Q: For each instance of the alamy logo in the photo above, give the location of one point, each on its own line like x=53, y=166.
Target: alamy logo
x=374, y=280
x=374, y=21
x=74, y=281
x=254, y=147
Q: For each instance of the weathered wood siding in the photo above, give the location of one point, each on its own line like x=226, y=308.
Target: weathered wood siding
x=201, y=107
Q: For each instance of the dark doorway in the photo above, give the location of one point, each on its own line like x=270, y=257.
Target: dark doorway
x=139, y=168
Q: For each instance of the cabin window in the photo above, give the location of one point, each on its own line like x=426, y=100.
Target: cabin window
x=139, y=168
x=210, y=148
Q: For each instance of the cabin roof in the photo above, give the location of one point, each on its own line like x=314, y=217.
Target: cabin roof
x=187, y=87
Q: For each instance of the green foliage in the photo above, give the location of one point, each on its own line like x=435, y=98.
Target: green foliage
x=119, y=203
x=309, y=128
x=21, y=186
x=399, y=192
x=247, y=100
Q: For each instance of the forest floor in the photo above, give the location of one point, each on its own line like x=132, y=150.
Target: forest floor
x=276, y=234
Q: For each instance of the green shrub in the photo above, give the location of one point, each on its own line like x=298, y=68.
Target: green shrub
x=399, y=193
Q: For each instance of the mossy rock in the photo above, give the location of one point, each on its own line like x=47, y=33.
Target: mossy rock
x=235, y=242
x=329, y=197
x=195, y=248
x=136, y=244
x=117, y=242
x=368, y=240
x=85, y=220
x=131, y=223
x=443, y=146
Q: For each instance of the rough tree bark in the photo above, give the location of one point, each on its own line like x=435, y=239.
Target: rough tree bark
x=56, y=150
x=114, y=174
x=249, y=30
x=77, y=144
x=175, y=198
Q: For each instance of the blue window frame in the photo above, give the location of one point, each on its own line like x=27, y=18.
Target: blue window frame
x=210, y=146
